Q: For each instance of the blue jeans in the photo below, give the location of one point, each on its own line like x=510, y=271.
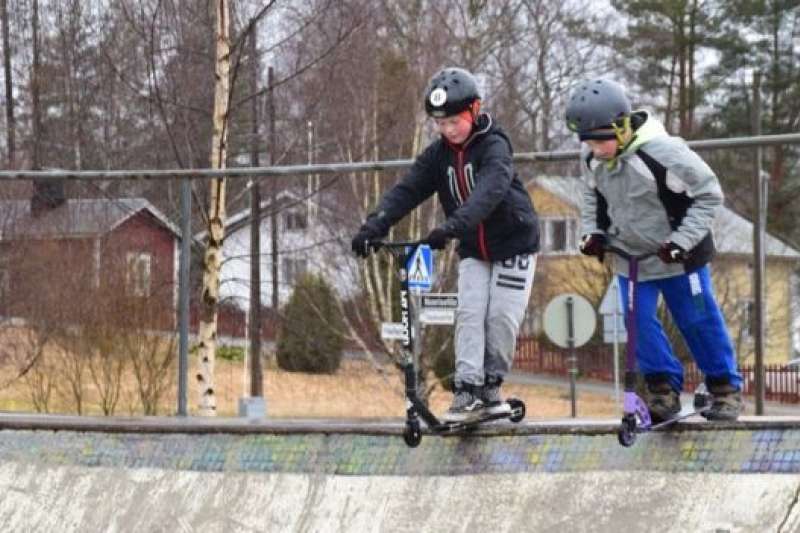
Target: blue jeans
x=691, y=302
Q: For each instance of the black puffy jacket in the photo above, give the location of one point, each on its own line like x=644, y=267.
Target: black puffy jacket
x=487, y=208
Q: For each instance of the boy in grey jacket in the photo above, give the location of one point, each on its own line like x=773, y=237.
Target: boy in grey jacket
x=648, y=191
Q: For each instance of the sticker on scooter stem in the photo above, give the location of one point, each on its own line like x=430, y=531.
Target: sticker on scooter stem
x=394, y=331
x=439, y=309
x=420, y=269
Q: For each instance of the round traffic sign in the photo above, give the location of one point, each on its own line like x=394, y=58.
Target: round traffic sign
x=556, y=320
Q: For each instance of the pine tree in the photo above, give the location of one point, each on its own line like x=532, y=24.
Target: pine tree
x=661, y=52
x=312, y=334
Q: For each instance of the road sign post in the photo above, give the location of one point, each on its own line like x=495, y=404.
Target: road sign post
x=614, y=331
x=569, y=322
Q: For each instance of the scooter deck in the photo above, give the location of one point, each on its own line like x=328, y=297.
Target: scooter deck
x=508, y=411
x=468, y=425
x=683, y=415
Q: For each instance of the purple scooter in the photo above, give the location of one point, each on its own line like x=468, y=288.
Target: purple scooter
x=635, y=415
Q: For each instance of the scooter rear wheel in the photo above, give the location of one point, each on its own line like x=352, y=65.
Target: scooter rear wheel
x=517, y=410
x=412, y=434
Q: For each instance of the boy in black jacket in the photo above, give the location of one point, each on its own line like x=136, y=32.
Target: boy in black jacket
x=488, y=210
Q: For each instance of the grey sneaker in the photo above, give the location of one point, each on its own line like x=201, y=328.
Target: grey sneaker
x=726, y=403
x=492, y=400
x=662, y=400
x=467, y=404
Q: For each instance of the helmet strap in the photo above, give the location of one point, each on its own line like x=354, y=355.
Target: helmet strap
x=622, y=132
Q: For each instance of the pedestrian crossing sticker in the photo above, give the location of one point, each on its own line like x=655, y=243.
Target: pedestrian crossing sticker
x=420, y=269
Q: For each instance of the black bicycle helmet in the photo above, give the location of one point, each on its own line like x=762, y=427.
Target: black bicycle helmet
x=450, y=91
x=597, y=104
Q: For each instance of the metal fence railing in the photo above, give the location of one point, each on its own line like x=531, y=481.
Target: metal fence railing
x=185, y=176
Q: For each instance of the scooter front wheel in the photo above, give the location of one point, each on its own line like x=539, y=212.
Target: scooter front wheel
x=412, y=434
x=626, y=434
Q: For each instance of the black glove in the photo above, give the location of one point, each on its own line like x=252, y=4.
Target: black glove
x=360, y=243
x=594, y=244
x=671, y=253
x=437, y=238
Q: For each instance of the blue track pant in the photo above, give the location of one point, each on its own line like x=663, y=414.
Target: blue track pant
x=691, y=302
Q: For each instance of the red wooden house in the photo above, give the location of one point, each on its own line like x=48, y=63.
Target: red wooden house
x=69, y=259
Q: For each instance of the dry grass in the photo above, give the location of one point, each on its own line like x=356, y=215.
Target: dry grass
x=358, y=389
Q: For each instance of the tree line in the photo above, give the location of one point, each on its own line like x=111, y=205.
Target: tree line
x=134, y=84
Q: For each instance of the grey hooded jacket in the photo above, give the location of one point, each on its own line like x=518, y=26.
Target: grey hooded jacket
x=656, y=190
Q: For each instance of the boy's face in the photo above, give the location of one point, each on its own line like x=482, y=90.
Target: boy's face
x=456, y=128
x=605, y=149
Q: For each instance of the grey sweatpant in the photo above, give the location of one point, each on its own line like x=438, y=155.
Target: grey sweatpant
x=492, y=298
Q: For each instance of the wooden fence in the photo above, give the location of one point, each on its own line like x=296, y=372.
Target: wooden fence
x=782, y=383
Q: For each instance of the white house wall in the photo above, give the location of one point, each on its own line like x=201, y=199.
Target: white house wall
x=317, y=244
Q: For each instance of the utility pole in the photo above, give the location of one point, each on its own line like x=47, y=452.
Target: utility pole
x=10, y=121
x=273, y=215
x=759, y=264
x=36, y=122
x=254, y=324
x=184, y=266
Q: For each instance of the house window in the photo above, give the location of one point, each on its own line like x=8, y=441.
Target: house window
x=559, y=235
x=293, y=268
x=137, y=276
x=749, y=319
x=296, y=219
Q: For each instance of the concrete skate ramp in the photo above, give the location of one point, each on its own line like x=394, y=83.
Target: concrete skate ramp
x=168, y=474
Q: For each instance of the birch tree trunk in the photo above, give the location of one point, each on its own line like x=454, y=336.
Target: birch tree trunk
x=216, y=217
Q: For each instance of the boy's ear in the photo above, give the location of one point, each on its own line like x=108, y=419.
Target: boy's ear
x=475, y=109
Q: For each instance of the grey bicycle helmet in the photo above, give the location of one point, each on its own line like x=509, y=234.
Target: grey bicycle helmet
x=597, y=104
x=450, y=91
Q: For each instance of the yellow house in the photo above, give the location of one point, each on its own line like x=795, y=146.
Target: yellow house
x=562, y=268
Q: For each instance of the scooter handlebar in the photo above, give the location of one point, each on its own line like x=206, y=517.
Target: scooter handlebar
x=377, y=245
x=625, y=254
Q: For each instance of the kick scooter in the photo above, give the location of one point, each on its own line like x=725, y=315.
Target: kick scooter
x=635, y=415
x=416, y=409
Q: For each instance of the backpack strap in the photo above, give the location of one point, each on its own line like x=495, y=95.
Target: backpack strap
x=676, y=205
x=603, y=221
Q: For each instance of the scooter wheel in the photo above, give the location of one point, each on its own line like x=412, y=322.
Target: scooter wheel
x=626, y=437
x=412, y=433
x=517, y=410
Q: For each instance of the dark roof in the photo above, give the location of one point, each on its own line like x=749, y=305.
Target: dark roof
x=235, y=221
x=74, y=218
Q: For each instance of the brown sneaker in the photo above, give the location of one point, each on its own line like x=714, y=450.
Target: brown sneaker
x=726, y=403
x=662, y=400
